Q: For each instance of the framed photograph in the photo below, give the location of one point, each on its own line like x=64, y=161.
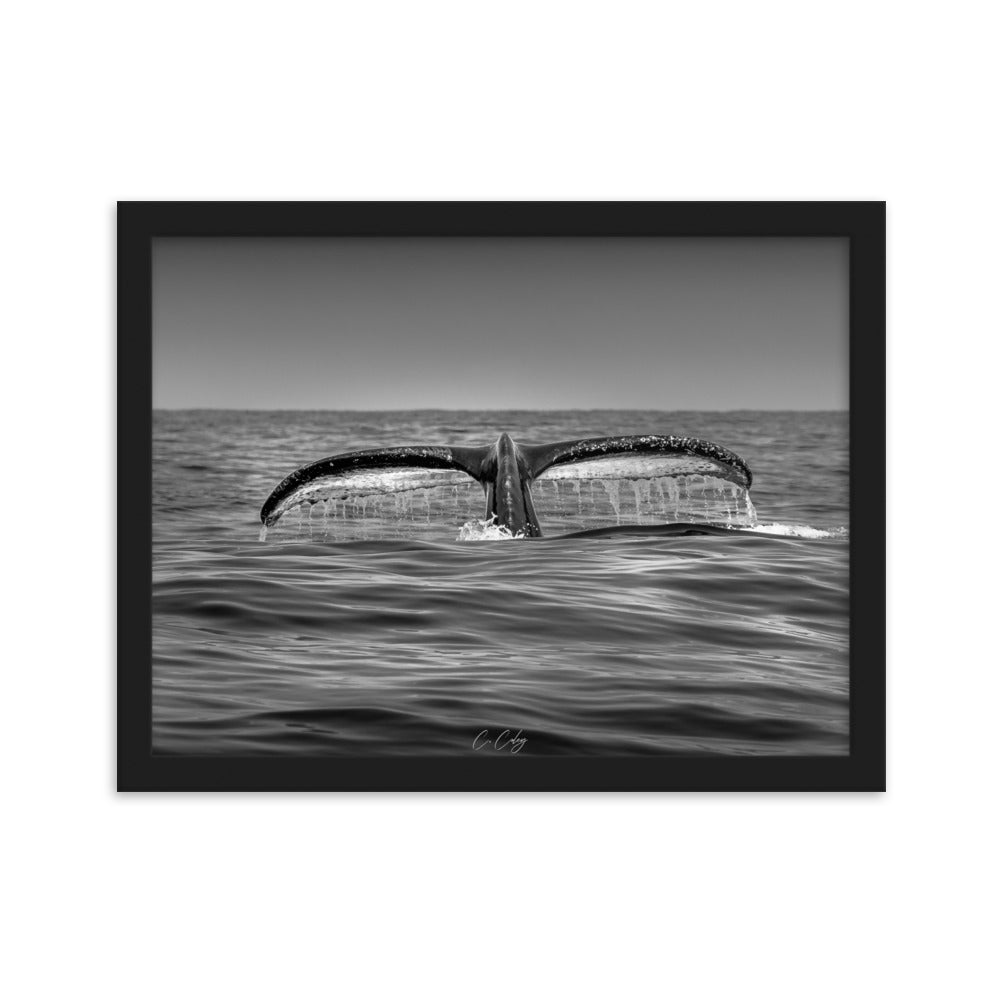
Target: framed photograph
x=501, y=496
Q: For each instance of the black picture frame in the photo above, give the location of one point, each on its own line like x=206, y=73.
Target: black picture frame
x=862, y=223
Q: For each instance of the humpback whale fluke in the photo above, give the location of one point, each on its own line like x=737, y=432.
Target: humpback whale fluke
x=507, y=470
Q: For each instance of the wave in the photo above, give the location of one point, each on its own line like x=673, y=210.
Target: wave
x=798, y=531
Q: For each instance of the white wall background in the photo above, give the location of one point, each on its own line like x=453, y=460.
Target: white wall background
x=506, y=896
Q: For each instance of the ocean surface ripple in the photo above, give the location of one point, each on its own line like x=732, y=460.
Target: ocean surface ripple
x=611, y=645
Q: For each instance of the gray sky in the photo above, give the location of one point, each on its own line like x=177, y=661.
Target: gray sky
x=488, y=323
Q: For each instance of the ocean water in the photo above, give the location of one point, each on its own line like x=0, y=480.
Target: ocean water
x=413, y=630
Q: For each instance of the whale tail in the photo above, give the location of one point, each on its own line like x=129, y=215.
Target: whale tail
x=506, y=471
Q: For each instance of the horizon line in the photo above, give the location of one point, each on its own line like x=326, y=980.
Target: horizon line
x=488, y=409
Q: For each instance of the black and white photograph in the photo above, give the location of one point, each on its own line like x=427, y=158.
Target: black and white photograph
x=425, y=497
x=481, y=501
